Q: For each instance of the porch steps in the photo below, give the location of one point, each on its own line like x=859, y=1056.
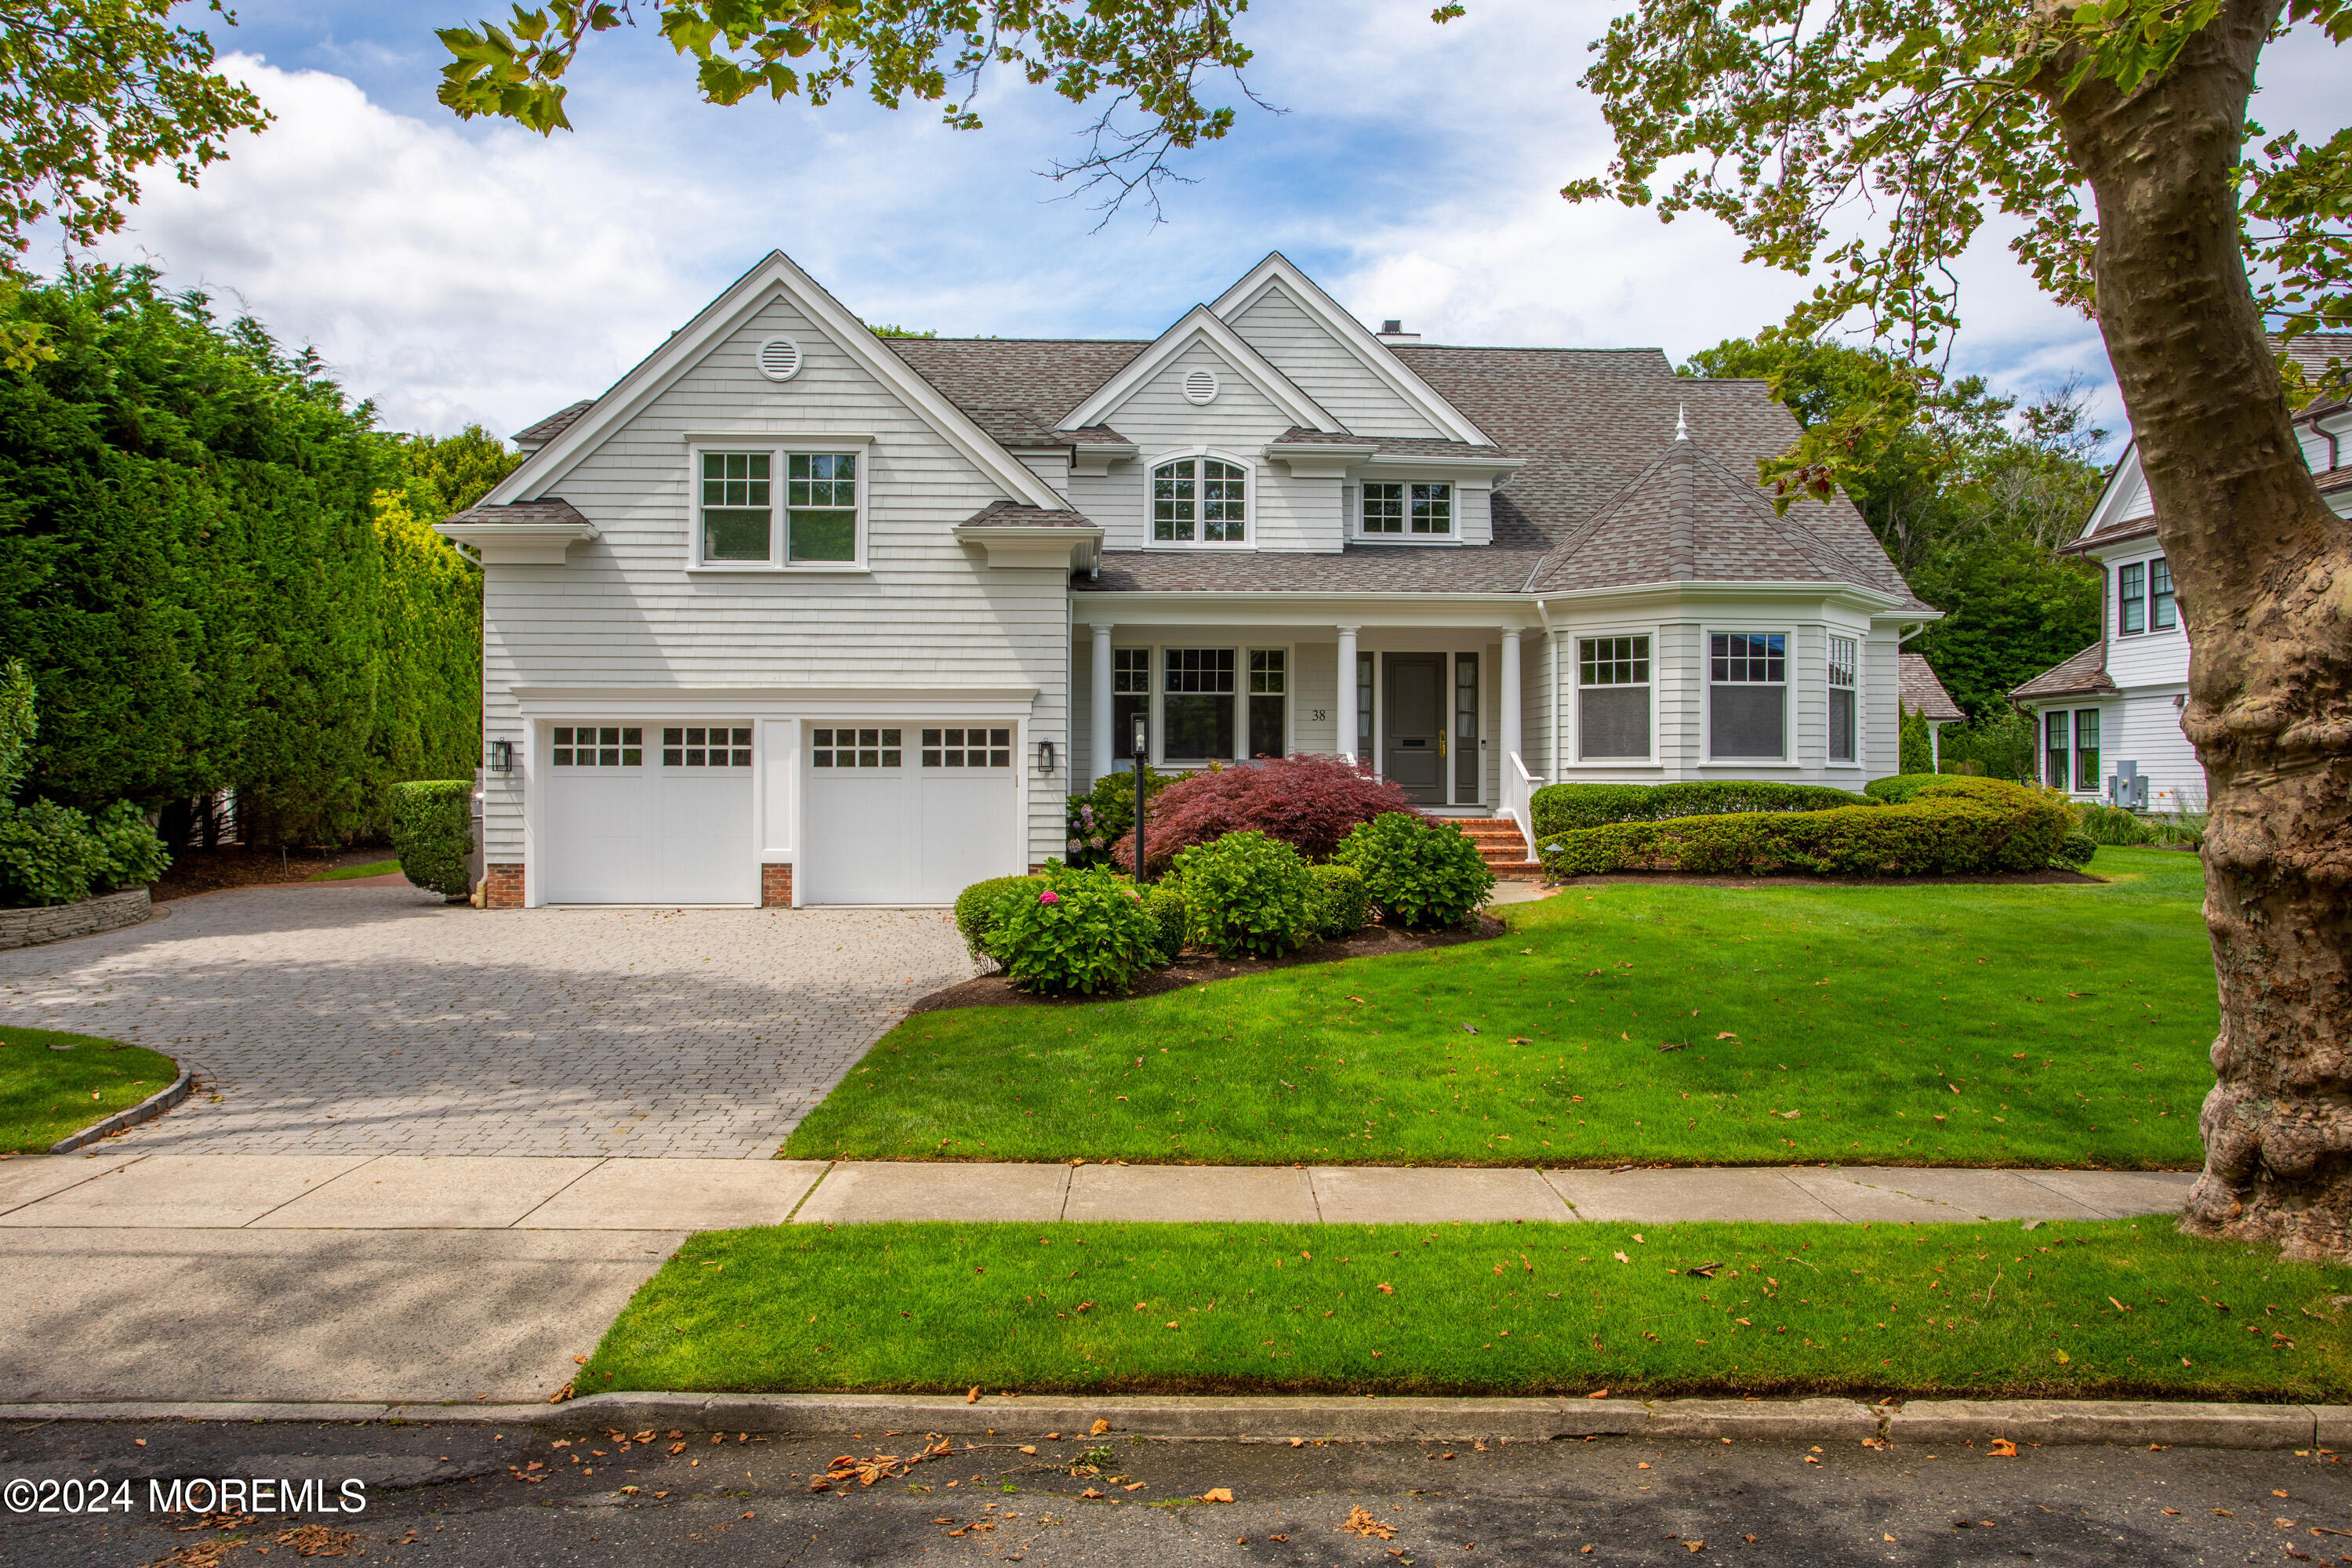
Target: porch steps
x=1501, y=847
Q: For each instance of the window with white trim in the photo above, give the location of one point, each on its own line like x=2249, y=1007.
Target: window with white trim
x=821, y=507
x=1612, y=698
x=706, y=746
x=738, y=507
x=1400, y=510
x=596, y=746
x=2086, y=749
x=1130, y=694
x=1196, y=704
x=766, y=510
x=1269, y=701
x=1844, y=660
x=1199, y=501
x=2056, y=769
x=1747, y=696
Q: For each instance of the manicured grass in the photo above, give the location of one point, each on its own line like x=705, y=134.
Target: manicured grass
x=2113, y=1308
x=345, y=873
x=2011, y=1025
x=46, y=1093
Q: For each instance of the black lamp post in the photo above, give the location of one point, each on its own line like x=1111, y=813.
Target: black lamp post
x=1141, y=736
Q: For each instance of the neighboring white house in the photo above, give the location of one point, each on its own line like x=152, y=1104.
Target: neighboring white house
x=793, y=613
x=2119, y=700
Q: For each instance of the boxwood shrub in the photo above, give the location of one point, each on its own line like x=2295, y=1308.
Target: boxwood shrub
x=981, y=908
x=1897, y=788
x=1951, y=826
x=1566, y=807
x=1422, y=873
x=432, y=833
x=1246, y=893
x=1342, y=907
x=1084, y=932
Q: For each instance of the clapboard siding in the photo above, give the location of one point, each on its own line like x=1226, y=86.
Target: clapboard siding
x=1325, y=369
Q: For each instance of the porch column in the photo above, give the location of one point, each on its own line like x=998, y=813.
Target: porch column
x=1348, y=723
x=1100, y=704
x=1510, y=696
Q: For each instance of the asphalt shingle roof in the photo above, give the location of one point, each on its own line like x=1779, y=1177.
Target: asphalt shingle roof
x=1012, y=515
x=1922, y=691
x=554, y=425
x=2080, y=675
x=547, y=508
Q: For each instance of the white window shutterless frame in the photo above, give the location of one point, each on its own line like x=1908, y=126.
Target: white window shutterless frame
x=1200, y=499
x=1615, y=717
x=1747, y=696
x=755, y=505
x=1845, y=700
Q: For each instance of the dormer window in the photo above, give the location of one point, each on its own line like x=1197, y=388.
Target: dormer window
x=1395, y=511
x=1199, y=501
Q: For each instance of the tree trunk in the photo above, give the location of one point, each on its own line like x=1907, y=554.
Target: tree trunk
x=2260, y=562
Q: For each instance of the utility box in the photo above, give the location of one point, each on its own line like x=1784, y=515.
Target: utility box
x=2127, y=788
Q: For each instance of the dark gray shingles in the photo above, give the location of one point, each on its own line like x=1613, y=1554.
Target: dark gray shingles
x=1012, y=514
x=547, y=509
x=2083, y=675
x=1049, y=378
x=554, y=425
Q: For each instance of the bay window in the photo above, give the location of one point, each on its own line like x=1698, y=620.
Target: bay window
x=1612, y=698
x=1747, y=692
x=1844, y=659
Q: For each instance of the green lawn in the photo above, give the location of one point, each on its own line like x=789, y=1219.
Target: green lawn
x=47, y=1093
x=345, y=873
x=2009, y=1024
x=2115, y=1308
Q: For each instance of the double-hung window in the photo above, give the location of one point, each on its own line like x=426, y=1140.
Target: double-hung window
x=2055, y=752
x=1269, y=697
x=2131, y=596
x=1613, y=699
x=2163, y=608
x=1400, y=510
x=2086, y=749
x=1199, y=501
x=1214, y=704
x=1130, y=694
x=1196, y=704
x=1844, y=659
x=757, y=509
x=1747, y=696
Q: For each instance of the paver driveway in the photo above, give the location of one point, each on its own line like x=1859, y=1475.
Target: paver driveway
x=380, y=1020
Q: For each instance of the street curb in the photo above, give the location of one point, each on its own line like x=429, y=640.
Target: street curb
x=147, y=1110
x=2038, y=1423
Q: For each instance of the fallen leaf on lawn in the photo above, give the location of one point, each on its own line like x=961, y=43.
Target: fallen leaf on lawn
x=748, y=1515
x=1028, y=1448
x=1598, y=1393
x=1386, y=1288
x=1216, y=1494
x=1701, y=1545
x=1703, y=1270
x=2061, y=1357
x=1132, y=1487
x=974, y=1396
x=1521, y=1040
x=1361, y=1523
x=1091, y=1491
x=1790, y=1115
x=1620, y=1258
x=2002, y=1448
x=1637, y=1235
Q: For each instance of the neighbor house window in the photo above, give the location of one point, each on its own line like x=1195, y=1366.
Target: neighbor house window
x=1844, y=658
x=2131, y=591
x=738, y=507
x=2086, y=748
x=1747, y=692
x=1130, y=693
x=1268, y=700
x=2163, y=609
x=1199, y=500
x=821, y=502
x=1196, y=703
x=2054, y=752
x=1612, y=698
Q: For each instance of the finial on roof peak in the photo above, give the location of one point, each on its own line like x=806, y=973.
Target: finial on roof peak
x=1682, y=421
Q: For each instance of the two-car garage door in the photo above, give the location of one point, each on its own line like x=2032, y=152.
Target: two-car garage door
x=891, y=813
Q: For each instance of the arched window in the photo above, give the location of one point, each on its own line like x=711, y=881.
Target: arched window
x=1203, y=501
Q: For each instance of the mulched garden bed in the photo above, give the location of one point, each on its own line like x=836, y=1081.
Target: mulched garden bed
x=1198, y=969
x=195, y=871
x=1691, y=878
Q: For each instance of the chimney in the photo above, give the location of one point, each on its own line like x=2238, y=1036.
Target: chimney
x=1395, y=333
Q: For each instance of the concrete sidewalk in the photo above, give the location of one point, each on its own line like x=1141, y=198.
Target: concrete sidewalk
x=124, y=1190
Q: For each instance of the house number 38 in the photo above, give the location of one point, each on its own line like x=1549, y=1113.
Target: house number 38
x=1318, y=713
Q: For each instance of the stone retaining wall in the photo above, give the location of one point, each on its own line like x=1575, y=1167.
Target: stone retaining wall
x=55, y=922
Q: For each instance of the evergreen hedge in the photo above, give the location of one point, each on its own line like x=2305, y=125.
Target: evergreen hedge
x=1946, y=827
x=1567, y=807
x=432, y=833
x=222, y=575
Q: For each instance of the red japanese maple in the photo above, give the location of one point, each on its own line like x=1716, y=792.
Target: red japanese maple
x=1308, y=802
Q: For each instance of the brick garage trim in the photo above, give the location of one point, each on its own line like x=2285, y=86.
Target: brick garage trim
x=775, y=886
x=505, y=889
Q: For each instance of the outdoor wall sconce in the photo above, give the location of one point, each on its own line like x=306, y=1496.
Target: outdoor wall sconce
x=1045, y=757
x=501, y=756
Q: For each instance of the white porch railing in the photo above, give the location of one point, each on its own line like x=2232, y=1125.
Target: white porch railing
x=1519, y=792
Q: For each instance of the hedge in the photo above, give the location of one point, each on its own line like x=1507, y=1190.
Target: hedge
x=432, y=833
x=1950, y=826
x=1567, y=807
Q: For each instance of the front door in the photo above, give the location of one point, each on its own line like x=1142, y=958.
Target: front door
x=1412, y=744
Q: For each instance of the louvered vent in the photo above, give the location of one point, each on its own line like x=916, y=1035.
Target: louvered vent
x=780, y=359
x=1200, y=386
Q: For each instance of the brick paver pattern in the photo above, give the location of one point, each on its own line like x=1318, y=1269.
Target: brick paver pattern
x=379, y=1019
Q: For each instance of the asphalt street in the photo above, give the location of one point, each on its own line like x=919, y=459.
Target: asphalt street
x=438, y=1494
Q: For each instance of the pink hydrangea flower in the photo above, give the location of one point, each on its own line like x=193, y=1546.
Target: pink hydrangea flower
x=1049, y=896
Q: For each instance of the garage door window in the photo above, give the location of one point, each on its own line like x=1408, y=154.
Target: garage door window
x=714, y=747
x=594, y=746
x=854, y=748
x=967, y=748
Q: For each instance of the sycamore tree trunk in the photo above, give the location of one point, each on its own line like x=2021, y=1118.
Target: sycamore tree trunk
x=2260, y=564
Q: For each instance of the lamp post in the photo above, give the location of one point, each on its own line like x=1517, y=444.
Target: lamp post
x=1141, y=737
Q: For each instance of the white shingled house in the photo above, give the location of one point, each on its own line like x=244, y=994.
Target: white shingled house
x=792, y=613
x=2119, y=700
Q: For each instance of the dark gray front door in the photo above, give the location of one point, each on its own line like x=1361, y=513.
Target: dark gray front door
x=1413, y=716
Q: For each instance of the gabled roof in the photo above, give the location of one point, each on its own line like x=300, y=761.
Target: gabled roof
x=1376, y=356
x=531, y=437
x=551, y=509
x=2084, y=675
x=1046, y=376
x=775, y=273
x=1922, y=691
x=1198, y=325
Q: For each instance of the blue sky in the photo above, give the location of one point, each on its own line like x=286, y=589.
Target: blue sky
x=456, y=272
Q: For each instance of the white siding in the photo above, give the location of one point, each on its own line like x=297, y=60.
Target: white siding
x=1325, y=369
x=623, y=612
x=1054, y=468
x=1880, y=703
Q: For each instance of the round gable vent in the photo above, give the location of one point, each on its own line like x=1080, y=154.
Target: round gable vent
x=780, y=359
x=1201, y=387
